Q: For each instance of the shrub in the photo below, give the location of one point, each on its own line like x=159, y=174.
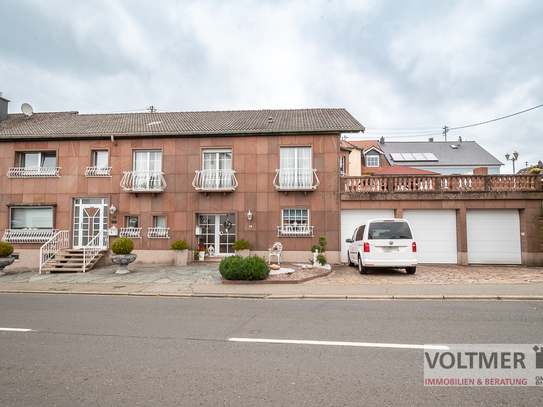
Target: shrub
x=122, y=245
x=180, y=245
x=250, y=268
x=5, y=249
x=319, y=249
x=241, y=244
x=321, y=259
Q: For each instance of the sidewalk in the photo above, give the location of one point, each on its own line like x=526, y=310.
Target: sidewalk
x=435, y=282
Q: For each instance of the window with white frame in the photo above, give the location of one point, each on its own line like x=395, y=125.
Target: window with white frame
x=29, y=225
x=217, y=171
x=147, y=169
x=296, y=171
x=132, y=228
x=372, y=161
x=159, y=229
x=343, y=165
x=295, y=222
x=34, y=164
x=100, y=164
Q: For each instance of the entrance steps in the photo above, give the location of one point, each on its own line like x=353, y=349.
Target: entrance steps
x=209, y=260
x=69, y=260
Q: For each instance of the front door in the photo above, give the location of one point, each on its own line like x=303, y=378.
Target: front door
x=219, y=231
x=90, y=218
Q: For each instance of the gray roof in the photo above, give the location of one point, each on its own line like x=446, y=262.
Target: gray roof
x=70, y=124
x=467, y=153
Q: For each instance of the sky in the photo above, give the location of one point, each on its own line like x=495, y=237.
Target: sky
x=402, y=69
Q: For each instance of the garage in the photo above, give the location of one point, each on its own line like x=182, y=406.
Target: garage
x=352, y=218
x=493, y=236
x=435, y=234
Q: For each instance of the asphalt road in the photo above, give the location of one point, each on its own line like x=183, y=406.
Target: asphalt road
x=126, y=351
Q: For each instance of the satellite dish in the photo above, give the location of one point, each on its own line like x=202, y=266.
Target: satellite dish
x=27, y=109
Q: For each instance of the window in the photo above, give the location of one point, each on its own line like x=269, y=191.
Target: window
x=147, y=170
x=159, y=221
x=372, y=161
x=131, y=230
x=297, y=158
x=132, y=221
x=36, y=164
x=99, y=168
x=295, y=222
x=295, y=172
x=217, y=171
x=31, y=218
x=343, y=165
x=159, y=229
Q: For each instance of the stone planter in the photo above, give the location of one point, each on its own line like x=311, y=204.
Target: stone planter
x=201, y=255
x=123, y=260
x=181, y=257
x=4, y=262
x=242, y=253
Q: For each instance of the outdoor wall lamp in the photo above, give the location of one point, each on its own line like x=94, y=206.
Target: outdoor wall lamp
x=112, y=209
x=514, y=158
x=249, y=215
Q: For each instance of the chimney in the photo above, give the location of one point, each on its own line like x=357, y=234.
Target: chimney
x=431, y=139
x=382, y=140
x=3, y=108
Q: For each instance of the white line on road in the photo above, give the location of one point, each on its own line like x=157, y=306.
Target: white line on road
x=330, y=343
x=16, y=329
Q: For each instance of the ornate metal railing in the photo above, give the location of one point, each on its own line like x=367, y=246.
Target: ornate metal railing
x=134, y=233
x=60, y=240
x=91, y=250
x=33, y=172
x=287, y=179
x=158, y=233
x=28, y=235
x=215, y=180
x=295, y=231
x=98, y=172
x=143, y=181
x=442, y=183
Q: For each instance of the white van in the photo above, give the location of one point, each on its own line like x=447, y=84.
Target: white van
x=383, y=243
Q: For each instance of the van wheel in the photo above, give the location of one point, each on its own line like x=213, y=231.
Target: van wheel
x=361, y=268
x=351, y=264
x=410, y=270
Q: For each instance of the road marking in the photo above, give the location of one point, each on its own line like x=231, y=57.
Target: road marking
x=330, y=343
x=16, y=329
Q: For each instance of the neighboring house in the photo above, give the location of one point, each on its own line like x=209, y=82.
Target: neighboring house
x=443, y=157
x=401, y=170
x=159, y=177
x=365, y=157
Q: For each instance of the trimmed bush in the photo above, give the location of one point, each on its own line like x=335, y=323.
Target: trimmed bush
x=6, y=249
x=180, y=245
x=122, y=245
x=250, y=268
x=241, y=244
x=321, y=259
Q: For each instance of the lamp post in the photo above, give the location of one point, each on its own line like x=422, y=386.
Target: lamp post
x=514, y=158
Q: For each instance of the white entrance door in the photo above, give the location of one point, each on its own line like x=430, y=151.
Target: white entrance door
x=493, y=236
x=352, y=218
x=90, y=218
x=219, y=231
x=435, y=234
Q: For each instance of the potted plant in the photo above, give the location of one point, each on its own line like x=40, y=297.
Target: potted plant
x=5, y=256
x=180, y=252
x=201, y=252
x=122, y=254
x=242, y=248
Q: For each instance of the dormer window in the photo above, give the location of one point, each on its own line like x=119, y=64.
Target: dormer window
x=372, y=161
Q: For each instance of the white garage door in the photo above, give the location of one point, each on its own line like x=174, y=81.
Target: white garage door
x=435, y=234
x=352, y=218
x=493, y=236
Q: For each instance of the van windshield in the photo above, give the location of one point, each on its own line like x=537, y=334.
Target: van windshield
x=389, y=230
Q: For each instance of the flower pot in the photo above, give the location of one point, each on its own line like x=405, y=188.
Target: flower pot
x=181, y=257
x=123, y=260
x=201, y=255
x=242, y=253
x=4, y=262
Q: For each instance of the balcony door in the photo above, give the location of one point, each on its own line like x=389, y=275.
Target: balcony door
x=217, y=166
x=219, y=231
x=296, y=167
x=90, y=218
x=147, y=169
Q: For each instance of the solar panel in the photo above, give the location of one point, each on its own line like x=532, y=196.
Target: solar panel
x=397, y=157
x=419, y=157
x=430, y=157
x=408, y=157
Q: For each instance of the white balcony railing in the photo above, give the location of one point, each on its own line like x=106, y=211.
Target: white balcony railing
x=98, y=172
x=28, y=235
x=295, y=231
x=134, y=233
x=33, y=172
x=289, y=179
x=60, y=240
x=143, y=181
x=158, y=233
x=215, y=180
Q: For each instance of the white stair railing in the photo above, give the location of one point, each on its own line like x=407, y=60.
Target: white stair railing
x=61, y=240
x=91, y=250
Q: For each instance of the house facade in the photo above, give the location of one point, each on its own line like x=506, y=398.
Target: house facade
x=208, y=177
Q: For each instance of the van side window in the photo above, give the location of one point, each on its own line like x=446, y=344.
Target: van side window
x=360, y=233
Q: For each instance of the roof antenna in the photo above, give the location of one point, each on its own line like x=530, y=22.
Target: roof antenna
x=27, y=109
x=445, y=130
x=151, y=109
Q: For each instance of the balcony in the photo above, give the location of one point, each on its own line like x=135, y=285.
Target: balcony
x=33, y=172
x=133, y=233
x=288, y=179
x=158, y=233
x=98, y=172
x=295, y=230
x=438, y=184
x=28, y=235
x=215, y=181
x=143, y=182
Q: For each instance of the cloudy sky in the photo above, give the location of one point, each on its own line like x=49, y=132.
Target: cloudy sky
x=403, y=69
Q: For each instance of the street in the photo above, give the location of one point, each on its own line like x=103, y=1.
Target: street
x=119, y=351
